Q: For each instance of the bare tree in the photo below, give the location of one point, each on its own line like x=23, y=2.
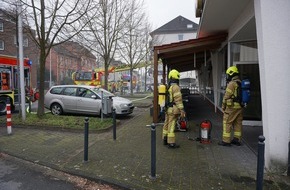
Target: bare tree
x=54, y=22
x=103, y=31
x=132, y=48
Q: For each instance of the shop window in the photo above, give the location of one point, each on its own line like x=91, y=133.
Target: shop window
x=244, y=51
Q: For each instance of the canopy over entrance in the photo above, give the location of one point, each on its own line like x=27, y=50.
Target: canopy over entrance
x=183, y=56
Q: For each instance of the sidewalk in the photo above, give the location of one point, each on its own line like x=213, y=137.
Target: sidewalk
x=126, y=162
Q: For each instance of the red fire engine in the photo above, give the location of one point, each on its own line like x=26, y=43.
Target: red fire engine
x=9, y=81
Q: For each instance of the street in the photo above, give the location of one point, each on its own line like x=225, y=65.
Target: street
x=16, y=174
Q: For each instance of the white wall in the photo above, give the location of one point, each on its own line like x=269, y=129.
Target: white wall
x=171, y=38
x=274, y=57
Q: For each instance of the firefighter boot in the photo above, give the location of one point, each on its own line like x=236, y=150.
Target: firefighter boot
x=165, y=140
x=236, y=141
x=173, y=145
x=222, y=143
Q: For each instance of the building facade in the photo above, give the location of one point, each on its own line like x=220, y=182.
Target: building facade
x=65, y=59
x=176, y=30
x=258, y=45
x=8, y=42
x=61, y=61
x=253, y=35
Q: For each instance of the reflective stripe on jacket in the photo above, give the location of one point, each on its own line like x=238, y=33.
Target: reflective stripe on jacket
x=230, y=94
x=175, y=97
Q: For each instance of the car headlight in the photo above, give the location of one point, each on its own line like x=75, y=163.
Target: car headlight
x=124, y=106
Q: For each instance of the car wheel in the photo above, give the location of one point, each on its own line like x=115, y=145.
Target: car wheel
x=56, y=109
x=2, y=106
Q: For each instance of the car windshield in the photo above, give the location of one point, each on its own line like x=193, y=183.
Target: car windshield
x=99, y=91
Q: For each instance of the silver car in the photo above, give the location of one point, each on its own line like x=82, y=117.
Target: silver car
x=83, y=99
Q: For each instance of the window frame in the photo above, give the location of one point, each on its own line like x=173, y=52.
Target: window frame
x=1, y=27
x=3, y=45
x=180, y=37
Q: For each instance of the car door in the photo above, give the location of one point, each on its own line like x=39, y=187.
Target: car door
x=88, y=102
x=69, y=98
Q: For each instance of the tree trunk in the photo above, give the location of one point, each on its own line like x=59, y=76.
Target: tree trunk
x=40, y=110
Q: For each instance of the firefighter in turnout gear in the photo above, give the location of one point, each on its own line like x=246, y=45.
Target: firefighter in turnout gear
x=174, y=108
x=232, y=109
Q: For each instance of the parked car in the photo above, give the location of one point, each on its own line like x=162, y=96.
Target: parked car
x=81, y=99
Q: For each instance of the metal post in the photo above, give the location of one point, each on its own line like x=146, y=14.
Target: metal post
x=288, y=170
x=102, y=96
x=261, y=160
x=21, y=62
x=86, y=137
x=153, y=151
x=114, y=124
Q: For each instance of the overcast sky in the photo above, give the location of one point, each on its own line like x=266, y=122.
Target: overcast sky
x=161, y=12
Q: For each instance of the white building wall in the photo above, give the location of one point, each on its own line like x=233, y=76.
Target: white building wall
x=171, y=38
x=274, y=57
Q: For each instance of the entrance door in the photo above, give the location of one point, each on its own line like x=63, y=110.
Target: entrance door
x=253, y=111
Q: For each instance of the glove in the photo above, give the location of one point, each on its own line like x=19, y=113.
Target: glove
x=182, y=114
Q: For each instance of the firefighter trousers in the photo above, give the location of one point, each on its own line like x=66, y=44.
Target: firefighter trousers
x=169, y=127
x=232, y=119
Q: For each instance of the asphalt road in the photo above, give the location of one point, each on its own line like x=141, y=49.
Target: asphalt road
x=17, y=174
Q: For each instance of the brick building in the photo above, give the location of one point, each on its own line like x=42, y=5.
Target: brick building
x=8, y=42
x=65, y=59
x=62, y=61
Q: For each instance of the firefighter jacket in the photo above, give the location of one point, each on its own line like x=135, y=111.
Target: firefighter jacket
x=229, y=101
x=175, y=104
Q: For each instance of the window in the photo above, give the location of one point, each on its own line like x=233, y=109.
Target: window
x=70, y=91
x=1, y=27
x=56, y=90
x=82, y=75
x=189, y=26
x=180, y=37
x=244, y=51
x=1, y=45
x=83, y=92
x=25, y=41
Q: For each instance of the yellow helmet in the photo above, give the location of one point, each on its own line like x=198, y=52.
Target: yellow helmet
x=174, y=74
x=232, y=70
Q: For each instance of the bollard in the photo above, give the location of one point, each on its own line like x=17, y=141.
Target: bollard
x=153, y=151
x=8, y=117
x=86, y=137
x=260, y=164
x=114, y=124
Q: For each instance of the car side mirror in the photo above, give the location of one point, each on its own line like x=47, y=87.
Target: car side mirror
x=94, y=96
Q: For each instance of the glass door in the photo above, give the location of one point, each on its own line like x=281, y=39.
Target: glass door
x=250, y=70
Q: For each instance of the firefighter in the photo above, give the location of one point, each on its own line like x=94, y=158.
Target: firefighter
x=174, y=108
x=232, y=110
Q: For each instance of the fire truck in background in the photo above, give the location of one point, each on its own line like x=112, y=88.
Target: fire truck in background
x=95, y=78
x=92, y=78
x=9, y=81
